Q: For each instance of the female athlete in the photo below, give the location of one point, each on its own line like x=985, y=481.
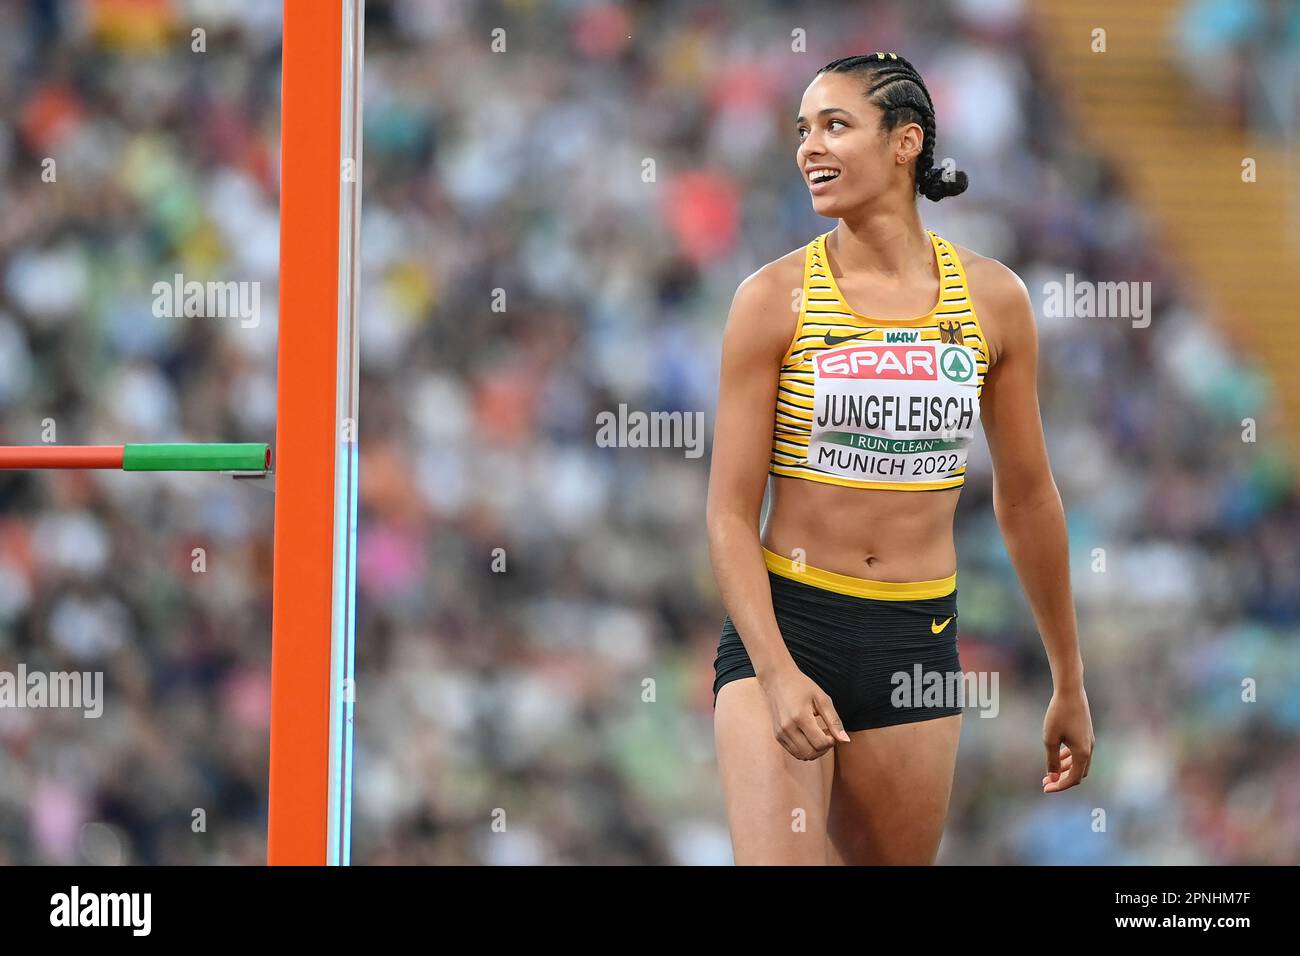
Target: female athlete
x=854, y=371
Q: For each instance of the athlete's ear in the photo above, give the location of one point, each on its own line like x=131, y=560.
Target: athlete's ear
x=910, y=141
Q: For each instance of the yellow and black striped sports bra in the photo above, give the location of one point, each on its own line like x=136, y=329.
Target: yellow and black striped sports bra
x=880, y=403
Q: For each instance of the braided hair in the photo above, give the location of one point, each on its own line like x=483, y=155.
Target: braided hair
x=896, y=87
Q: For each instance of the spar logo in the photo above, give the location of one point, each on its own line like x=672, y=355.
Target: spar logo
x=956, y=365
x=906, y=362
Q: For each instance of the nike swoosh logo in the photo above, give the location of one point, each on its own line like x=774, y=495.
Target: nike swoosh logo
x=936, y=629
x=833, y=339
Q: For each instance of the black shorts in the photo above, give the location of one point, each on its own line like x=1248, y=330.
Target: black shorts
x=889, y=658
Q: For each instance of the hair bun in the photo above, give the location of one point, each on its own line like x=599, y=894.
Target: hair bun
x=935, y=187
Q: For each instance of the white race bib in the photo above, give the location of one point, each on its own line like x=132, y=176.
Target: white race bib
x=894, y=411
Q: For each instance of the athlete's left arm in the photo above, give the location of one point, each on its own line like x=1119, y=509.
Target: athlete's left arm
x=1029, y=510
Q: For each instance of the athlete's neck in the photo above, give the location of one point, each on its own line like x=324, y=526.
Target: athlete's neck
x=886, y=244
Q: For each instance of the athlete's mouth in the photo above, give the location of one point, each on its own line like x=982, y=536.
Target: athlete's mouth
x=823, y=175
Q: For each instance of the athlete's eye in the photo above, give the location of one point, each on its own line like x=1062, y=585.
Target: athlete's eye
x=803, y=130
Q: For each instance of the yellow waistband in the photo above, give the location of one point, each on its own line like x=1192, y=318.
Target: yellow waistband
x=859, y=587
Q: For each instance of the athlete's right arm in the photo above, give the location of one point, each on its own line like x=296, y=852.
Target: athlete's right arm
x=758, y=332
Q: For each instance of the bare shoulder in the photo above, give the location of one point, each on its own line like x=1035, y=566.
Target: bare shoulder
x=766, y=305
x=999, y=298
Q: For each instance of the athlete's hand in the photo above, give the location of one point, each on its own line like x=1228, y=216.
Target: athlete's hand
x=803, y=716
x=1067, y=735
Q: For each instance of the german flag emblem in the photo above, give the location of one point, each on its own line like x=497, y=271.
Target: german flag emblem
x=950, y=331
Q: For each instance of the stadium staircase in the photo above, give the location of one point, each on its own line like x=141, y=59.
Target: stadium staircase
x=1181, y=158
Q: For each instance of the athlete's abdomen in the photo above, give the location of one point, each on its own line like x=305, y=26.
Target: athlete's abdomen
x=906, y=536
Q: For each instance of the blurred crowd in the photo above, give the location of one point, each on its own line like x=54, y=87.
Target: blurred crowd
x=536, y=614
x=1244, y=56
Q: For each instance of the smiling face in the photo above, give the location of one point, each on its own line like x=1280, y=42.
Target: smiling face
x=845, y=155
